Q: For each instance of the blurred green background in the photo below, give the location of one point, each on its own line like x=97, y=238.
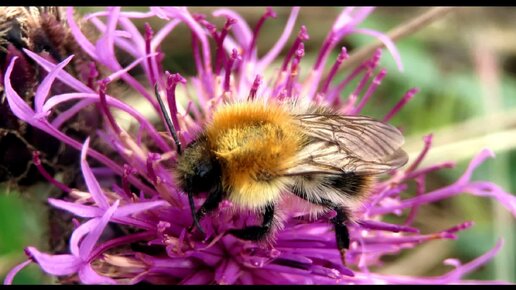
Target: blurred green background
x=465, y=66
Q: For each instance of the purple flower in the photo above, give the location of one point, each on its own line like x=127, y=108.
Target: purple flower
x=139, y=195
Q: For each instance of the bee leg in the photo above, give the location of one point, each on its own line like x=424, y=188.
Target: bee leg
x=211, y=203
x=194, y=216
x=339, y=222
x=341, y=231
x=255, y=233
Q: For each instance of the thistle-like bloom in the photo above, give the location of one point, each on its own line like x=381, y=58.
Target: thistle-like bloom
x=137, y=196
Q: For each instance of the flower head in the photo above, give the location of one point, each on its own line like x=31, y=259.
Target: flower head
x=136, y=192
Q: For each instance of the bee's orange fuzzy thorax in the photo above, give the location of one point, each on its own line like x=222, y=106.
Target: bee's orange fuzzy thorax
x=255, y=143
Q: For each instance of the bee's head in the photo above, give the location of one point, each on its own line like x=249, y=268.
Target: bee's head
x=197, y=169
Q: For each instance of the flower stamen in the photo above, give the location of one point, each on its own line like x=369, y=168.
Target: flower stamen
x=43, y=171
x=269, y=13
x=104, y=107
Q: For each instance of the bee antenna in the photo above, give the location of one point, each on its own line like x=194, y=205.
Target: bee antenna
x=194, y=215
x=170, y=126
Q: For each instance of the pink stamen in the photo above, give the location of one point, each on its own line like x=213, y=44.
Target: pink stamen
x=269, y=13
x=387, y=192
x=104, y=107
x=220, y=56
x=460, y=227
x=160, y=56
x=343, y=55
x=368, y=65
x=382, y=226
x=172, y=81
x=420, y=189
x=197, y=55
x=375, y=59
x=128, y=170
x=327, y=44
x=234, y=57
x=254, y=88
x=92, y=75
x=294, y=68
x=416, y=173
x=148, y=40
x=407, y=97
x=372, y=88
x=152, y=157
x=201, y=18
x=428, y=143
x=301, y=36
x=41, y=169
x=356, y=92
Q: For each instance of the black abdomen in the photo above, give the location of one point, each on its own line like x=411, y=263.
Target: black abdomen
x=332, y=190
x=349, y=183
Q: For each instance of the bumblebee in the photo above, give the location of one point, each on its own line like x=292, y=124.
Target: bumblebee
x=256, y=154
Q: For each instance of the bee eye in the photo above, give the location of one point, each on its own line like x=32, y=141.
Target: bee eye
x=203, y=170
x=205, y=176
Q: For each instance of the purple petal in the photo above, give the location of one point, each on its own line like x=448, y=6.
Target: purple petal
x=125, y=44
x=360, y=14
x=130, y=209
x=183, y=14
x=284, y=269
x=79, y=233
x=16, y=103
x=343, y=19
x=488, y=189
x=228, y=272
x=276, y=49
x=62, y=75
x=25, y=113
x=323, y=271
x=91, y=239
x=105, y=45
x=404, y=100
x=453, y=276
x=66, y=115
x=89, y=276
x=170, y=263
x=128, y=14
x=246, y=279
x=83, y=41
x=75, y=208
x=19, y=107
x=198, y=278
x=44, y=87
x=116, y=75
x=241, y=30
x=55, y=264
x=93, y=97
x=457, y=188
x=135, y=49
x=477, y=160
x=299, y=260
x=387, y=42
x=10, y=275
x=162, y=33
x=376, y=225
x=91, y=182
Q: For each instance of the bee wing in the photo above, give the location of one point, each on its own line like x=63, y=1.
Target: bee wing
x=348, y=144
